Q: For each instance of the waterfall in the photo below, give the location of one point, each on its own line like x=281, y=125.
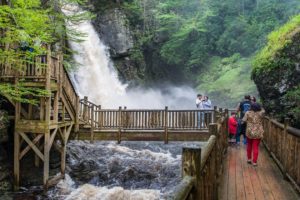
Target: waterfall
x=97, y=78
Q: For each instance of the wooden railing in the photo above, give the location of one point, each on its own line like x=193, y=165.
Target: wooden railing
x=34, y=68
x=69, y=90
x=283, y=143
x=144, y=119
x=202, y=168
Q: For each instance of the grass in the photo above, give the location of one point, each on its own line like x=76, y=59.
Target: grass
x=228, y=82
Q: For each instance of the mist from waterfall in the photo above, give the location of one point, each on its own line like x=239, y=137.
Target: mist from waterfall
x=98, y=79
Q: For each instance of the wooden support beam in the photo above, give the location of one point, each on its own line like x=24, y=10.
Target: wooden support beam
x=33, y=146
x=46, y=159
x=16, y=161
x=35, y=141
x=17, y=147
x=52, y=137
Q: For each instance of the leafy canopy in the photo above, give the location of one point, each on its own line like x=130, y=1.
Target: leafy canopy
x=27, y=28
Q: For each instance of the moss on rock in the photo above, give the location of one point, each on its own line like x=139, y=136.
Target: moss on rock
x=276, y=72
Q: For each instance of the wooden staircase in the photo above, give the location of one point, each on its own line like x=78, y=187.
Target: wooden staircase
x=52, y=118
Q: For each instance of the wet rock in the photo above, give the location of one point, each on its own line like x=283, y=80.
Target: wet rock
x=114, y=31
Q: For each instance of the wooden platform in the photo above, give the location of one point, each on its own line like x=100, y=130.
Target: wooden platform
x=243, y=181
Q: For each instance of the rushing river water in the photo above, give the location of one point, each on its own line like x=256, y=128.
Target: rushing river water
x=130, y=170
x=111, y=171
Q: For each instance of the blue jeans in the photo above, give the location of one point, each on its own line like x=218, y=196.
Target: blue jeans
x=241, y=130
x=200, y=119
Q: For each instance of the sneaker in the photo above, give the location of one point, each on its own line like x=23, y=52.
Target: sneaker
x=254, y=164
x=249, y=162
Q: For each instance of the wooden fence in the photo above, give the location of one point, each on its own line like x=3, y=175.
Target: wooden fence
x=146, y=119
x=202, y=168
x=283, y=143
x=33, y=68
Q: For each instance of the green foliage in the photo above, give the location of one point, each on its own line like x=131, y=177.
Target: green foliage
x=27, y=28
x=227, y=80
x=277, y=40
x=193, y=30
x=293, y=108
x=208, y=42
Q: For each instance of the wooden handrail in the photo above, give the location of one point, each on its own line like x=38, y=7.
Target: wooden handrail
x=282, y=142
x=202, y=168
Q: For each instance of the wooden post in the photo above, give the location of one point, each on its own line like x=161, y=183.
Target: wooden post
x=47, y=121
x=286, y=143
x=120, y=124
x=166, y=125
x=17, y=143
x=63, y=112
x=92, y=123
x=63, y=152
x=215, y=114
x=55, y=107
x=225, y=135
x=191, y=166
x=77, y=114
x=46, y=158
x=269, y=139
x=85, y=108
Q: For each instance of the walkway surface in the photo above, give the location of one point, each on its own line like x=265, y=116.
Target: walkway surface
x=243, y=181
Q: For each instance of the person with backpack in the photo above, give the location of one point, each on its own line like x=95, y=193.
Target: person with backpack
x=242, y=108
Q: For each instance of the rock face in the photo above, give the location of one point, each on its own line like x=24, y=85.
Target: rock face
x=279, y=85
x=113, y=28
x=111, y=25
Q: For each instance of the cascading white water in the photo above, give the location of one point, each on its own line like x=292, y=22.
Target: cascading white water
x=98, y=79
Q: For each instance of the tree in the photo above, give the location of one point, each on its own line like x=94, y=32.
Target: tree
x=27, y=28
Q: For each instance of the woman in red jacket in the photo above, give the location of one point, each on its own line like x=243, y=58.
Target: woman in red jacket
x=232, y=126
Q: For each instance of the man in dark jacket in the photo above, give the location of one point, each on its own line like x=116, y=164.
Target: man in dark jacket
x=242, y=108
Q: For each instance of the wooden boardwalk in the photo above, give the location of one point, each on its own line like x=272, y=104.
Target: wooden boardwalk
x=243, y=181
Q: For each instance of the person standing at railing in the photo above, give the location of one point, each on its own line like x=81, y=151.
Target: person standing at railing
x=200, y=115
x=254, y=131
x=206, y=106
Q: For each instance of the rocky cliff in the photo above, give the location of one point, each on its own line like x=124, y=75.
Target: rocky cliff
x=137, y=61
x=277, y=73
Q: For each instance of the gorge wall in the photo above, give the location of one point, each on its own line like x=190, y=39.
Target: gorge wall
x=137, y=62
x=277, y=73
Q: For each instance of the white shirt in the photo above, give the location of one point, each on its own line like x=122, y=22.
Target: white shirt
x=199, y=104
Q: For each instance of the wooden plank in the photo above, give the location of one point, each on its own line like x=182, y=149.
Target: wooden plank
x=232, y=178
x=263, y=172
x=240, y=161
x=281, y=189
x=247, y=180
x=256, y=184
